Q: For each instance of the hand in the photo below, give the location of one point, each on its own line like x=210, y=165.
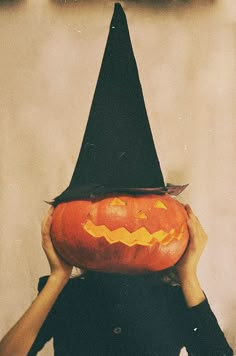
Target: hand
x=187, y=265
x=57, y=265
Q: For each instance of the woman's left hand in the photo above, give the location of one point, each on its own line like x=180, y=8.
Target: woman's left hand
x=187, y=265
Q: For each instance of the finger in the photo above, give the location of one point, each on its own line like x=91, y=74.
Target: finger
x=190, y=212
x=192, y=230
x=47, y=220
x=197, y=235
x=50, y=211
x=46, y=237
x=188, y=209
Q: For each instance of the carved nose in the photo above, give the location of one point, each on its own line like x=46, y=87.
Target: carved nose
x=140, y=215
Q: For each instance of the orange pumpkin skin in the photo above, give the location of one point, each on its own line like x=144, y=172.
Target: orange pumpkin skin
x=123, y=234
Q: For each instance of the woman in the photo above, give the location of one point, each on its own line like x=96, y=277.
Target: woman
x=107, y=314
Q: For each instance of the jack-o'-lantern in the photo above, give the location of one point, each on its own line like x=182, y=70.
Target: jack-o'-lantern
x=121, y=234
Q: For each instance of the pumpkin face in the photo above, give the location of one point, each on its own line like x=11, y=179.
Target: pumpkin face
x=128, y=234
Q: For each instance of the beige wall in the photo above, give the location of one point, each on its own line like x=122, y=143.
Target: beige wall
x=49, y=63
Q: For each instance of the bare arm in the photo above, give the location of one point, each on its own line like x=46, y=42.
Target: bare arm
x=187, y=266
x=21, y=336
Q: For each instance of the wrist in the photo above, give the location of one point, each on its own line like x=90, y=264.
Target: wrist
x=192, y=290
x=187, y=276
x=60, y=278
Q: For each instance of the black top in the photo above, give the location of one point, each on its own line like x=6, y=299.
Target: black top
x=102, y=314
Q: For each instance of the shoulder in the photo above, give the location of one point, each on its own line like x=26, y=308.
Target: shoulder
x=148, y=285
x=74, y=282
x=74, y=288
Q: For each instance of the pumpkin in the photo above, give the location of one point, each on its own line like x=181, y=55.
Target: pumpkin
x=123, y=234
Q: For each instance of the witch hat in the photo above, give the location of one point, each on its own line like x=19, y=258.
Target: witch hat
x=117, y=153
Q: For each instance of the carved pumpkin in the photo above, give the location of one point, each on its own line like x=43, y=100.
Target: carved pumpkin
x=128, y=234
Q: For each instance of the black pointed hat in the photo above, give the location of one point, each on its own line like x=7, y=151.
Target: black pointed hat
x=117, y=153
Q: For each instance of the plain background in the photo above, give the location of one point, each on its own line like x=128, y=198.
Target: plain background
x=50, y=56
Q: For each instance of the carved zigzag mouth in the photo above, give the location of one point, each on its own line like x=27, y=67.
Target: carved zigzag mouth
x=140, y=236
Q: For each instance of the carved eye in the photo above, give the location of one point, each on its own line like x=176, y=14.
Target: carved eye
x=118, y=202
x=159, y=205
x=140, y=215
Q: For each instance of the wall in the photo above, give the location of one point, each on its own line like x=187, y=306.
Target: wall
x=51, y=53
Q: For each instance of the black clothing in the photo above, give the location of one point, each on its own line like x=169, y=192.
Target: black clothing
x=102, y=314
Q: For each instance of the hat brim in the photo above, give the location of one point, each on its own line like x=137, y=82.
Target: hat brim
x=96, y=191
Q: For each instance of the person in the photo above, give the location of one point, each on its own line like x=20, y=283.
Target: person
x=109, y=314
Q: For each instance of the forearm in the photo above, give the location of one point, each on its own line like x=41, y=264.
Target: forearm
x=192, y=290
x=19, y=339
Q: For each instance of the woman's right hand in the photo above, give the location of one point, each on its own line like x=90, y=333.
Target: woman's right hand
x=57, y=265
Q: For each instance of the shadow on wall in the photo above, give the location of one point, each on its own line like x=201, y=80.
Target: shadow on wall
x=157, y=3
x=8, y=3
x=177, y=177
